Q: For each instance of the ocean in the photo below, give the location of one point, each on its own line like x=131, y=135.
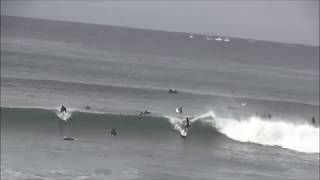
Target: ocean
x=250, y=104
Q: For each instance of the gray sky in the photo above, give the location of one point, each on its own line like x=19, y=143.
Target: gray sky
x=290, y=21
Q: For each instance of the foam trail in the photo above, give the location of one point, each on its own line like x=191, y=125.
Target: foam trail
x=178, y=124
x=64, y=115
x=303, y=137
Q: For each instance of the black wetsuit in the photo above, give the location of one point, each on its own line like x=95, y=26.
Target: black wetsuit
x=113, y=132
x=188, y=122
x=68, y=139
x=313, y=120
x=145, y=112
x=63, y=109
x=269, y=116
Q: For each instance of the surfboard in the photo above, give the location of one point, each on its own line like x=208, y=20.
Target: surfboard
x=64, y=115
x=184, y=132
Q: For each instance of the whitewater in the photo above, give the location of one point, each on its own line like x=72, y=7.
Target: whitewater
x=299, y=137
x=250, y=104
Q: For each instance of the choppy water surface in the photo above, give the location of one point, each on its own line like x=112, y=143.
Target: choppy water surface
x=228, y=89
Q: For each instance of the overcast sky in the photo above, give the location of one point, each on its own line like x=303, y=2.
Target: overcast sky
x=290, y=21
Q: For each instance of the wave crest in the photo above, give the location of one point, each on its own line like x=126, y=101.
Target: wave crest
x=278, y=132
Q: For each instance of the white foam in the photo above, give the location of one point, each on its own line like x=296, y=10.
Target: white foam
x=64, y=115
x=303, y=137
x=226, y=40
x=278, y=132
x=178, y=124
x=218, y=39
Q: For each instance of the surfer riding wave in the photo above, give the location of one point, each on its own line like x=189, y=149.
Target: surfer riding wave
x=298, y=137
x=64, y=114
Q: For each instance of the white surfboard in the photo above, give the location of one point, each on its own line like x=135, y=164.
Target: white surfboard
x=184, y=132
x=64, y=115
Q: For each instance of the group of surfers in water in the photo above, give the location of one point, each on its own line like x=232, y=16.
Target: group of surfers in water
x=63, y=109
x=179, y=110
x=113, y=131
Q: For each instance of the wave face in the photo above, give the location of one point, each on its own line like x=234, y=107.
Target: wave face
x=298, y=137
x=32, y=134
x=204, y=128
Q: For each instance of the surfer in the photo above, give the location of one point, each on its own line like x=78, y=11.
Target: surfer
x=243, y=104
x=68, y=138
x=269, y=115
x=87, y=107
x=187, y=122
x=113, y=132
x=63, y=109
x=172, y=91
x=145, y=112
x=179, y=110
x=313, y=120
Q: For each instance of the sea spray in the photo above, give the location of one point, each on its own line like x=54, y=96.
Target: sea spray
x=278, y=132
x=178, y=124
x=64, y=115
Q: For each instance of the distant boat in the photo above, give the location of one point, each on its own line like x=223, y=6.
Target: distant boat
x=226, y=40
x=218, y=39
x=191, y=36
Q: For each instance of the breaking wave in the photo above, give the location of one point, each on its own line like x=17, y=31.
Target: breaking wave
x=298, y=137
x=64, y=115
x=274, y=132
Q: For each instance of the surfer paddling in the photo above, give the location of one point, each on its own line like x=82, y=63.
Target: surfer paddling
x=145, y=112
x=66, y=138
x=172, y=91
x=113, y=132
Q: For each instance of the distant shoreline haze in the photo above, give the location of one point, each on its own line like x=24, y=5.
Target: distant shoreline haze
x=292, y=22
x=203, y=36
